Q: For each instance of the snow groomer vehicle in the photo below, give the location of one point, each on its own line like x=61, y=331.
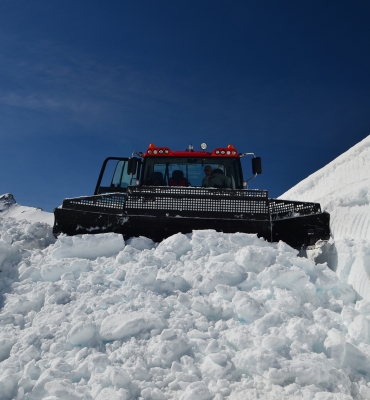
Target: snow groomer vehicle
x=161, y=192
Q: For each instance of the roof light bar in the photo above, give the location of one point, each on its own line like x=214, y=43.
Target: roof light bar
x=228, y=151
x=153, y=150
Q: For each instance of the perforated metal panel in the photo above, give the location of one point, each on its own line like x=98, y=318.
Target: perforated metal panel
x=193, y=202
x=196, y=191
x=112, y=203
x=286, y=209
x=200, y=200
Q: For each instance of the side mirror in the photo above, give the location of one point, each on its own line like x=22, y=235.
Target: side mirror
x=132, y=166
x=256, y=165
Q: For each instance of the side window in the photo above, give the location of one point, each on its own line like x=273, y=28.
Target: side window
x=115, y=175
x=108, y=173
x=121, y=178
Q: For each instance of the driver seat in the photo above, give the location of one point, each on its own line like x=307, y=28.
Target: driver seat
x=178, y=179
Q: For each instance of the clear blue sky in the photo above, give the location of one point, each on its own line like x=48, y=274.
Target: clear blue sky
x=84, y=80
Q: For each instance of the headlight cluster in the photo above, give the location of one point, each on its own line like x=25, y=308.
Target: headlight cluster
x=226, y=152
x=158, y=151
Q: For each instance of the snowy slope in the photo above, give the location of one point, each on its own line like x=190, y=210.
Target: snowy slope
x=10, y=208
x=343, y=189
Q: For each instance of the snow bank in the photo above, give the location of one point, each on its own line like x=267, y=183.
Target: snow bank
x=201, y=316
x=350, y=168
x=343, y=189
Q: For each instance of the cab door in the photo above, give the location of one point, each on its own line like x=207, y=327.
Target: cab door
x=117, y=174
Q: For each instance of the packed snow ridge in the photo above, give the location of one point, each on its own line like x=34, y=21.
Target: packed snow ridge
x=343, y=189
x=206, y=315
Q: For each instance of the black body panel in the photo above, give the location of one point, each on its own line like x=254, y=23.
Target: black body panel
x=159, y=212
x=72, y=222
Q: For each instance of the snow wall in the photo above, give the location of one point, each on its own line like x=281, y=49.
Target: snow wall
x=343, y=189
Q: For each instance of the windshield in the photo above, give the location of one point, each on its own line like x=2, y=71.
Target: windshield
x=181, y=171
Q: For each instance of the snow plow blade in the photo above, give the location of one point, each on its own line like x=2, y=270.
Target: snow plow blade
x=159, y=212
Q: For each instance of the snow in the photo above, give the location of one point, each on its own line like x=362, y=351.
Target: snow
x=206, y=315
x=10, y=208
x=343, y=189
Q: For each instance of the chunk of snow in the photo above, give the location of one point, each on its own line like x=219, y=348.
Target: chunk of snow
x=88, y=246
x=115, y=327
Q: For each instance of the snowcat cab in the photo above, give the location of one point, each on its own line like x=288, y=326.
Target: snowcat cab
x=161, y=192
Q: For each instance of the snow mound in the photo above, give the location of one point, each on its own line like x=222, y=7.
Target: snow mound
x=10, y=208
x=201, y=316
